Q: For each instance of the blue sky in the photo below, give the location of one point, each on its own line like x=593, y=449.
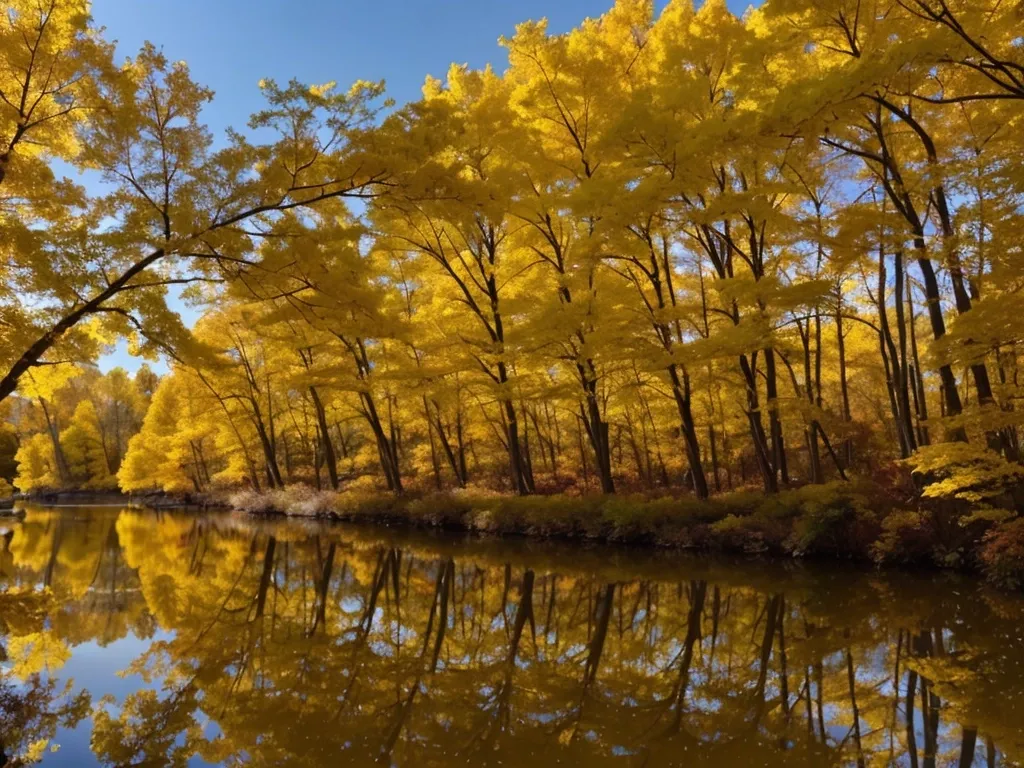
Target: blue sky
x=231, y=44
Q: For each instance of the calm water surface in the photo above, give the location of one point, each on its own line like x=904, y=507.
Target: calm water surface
x=142, y=638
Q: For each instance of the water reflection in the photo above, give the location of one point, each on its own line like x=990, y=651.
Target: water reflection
x=284, y=643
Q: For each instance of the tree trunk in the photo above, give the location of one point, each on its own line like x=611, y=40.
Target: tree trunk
x=63, y=470
x=524, y=450
x=844, y=387
x=894, y=363
x=325, y=438
x=597, y=433
x=457, y=463
x=938, y=323
x=778, y=448
x=681, y=392
x=714, y=457
x=903, y=377
x=813, y=454
x=515, y=454
x=385, y=448
x=917, y=380
x=757, y=434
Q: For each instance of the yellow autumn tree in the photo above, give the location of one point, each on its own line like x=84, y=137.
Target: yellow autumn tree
x=85, y=450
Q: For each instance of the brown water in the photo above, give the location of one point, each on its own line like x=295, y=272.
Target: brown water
x=138, y=638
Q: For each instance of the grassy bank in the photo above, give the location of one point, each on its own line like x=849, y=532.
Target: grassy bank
x=857, y=521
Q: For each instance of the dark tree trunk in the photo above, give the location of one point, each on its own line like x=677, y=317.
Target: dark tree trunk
x=917, y=380
x=778, y=448
x=714, y=458
x=844, y=387
x=597, y=433
x=327, y=446
x=950, y=394
x=517, y=466
x=602, y=618
x=761, y=449
x=265, y=577
x=274, y=479
x=681, y=392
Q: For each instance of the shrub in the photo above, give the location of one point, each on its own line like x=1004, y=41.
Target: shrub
x=439, y=510
x=833, y=518
x=355, y=504
x=253, y=502
x=560, y=516
x=737, y=503
x=751, y=534
x=1002, y=554
x=303, y=501
x=907, y=536
x=633, y=519
x=297, y=500
x=820, y=530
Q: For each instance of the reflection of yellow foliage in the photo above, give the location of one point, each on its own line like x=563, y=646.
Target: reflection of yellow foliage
x=37, y=652
x=35, y=751
x=23, y=610
x=255, y=638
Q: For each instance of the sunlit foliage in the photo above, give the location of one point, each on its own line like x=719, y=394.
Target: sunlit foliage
x=668, y=251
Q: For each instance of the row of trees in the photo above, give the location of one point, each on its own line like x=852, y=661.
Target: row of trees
x=72, y=426
x=677, y=249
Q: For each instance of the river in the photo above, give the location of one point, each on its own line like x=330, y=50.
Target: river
x=131, y=637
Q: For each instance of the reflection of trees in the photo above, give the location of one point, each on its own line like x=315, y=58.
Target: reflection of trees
x=32, y=706
x=318, y=645
x=78, y=556
x=30, y=713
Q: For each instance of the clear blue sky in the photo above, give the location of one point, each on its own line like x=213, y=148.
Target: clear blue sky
x=231, y=44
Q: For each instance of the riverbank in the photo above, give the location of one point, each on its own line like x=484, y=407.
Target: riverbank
x=153, y=500
x=852, y=521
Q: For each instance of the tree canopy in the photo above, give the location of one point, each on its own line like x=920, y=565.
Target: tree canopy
x=681, y=249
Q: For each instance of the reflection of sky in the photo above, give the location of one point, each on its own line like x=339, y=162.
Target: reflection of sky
x=99, y=670
x=95, y=668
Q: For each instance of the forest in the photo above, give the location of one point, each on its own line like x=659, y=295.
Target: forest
x=677, y=253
